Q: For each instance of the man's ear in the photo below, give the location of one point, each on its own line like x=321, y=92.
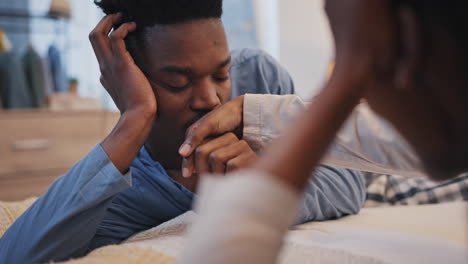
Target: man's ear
x=410, y=48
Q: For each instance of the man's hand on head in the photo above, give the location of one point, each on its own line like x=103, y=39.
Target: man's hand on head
x=128, y=87
x=120, y=76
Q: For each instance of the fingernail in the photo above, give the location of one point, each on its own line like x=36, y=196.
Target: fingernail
x=185, y=172
x=184, y=150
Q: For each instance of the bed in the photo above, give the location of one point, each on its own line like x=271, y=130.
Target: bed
x=401, y=234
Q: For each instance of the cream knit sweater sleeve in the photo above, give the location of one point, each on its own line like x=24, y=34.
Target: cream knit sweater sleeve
x=243, y=218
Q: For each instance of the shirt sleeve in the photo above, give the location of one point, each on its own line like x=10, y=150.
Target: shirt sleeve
x=250, y=211
x=254, y=71
x=332, y=193
x=366, y=142
x=61, y=223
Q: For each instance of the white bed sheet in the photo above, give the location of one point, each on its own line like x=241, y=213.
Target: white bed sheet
x=405, y=234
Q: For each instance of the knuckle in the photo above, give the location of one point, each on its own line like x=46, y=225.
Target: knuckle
x=201, y=152
x=232, y=165
x=213, y=156
x=113, y=36
x=232, y=136
x=92, y=36
x=103, y=70
x=217, y=157
x=244, y=144
x=192, y=131
x=95, y=35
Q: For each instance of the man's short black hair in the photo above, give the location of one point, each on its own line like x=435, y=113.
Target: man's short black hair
x=147, y=13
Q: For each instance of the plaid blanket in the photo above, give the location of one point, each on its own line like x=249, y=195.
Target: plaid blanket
x=385, y=190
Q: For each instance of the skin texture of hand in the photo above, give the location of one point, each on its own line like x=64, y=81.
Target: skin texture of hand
x=220, y=155
x=125, y=82
x=226, y=118
x=128, y=87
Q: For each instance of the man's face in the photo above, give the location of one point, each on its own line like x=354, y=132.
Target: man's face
x=188, y=67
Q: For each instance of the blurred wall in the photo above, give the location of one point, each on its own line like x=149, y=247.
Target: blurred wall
x=268, y=30
x=306, y=45
x=239, y=19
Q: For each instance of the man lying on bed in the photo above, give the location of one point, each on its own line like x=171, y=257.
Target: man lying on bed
x=132, y=181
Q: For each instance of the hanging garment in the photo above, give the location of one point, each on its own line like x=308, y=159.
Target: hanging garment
x=47, y=76
x=5, y=44
x=35, y=76
x=59, y=78
x=13, y=87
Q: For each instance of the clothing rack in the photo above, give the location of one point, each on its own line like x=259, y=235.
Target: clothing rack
x=22, y=14
x=18, y=22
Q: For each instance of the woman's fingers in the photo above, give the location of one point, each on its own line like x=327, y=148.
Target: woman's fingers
x=99, y=39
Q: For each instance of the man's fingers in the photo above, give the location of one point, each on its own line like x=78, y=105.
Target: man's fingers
x=188, y=166
x=203, y=152
x=225, y=118
x=219, y=158
x=242, y=161
x=117, y=39
x=99, y=38
x=196, y=134
x=105, y=25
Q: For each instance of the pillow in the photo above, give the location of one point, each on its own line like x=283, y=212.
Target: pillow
x=10, y=211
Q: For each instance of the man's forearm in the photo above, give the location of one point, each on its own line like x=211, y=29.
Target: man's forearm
x=294, y=155
x=128, y=136
x=366, y=142
x=61, y=223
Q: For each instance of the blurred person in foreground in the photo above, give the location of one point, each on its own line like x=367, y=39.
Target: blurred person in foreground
x=407, y=58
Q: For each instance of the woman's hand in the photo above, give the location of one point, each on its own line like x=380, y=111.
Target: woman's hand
x=120, y=76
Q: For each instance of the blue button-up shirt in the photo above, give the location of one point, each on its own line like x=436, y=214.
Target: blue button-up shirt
x=95, y=205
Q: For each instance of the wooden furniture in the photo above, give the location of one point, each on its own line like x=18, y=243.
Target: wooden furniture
x=36, y=147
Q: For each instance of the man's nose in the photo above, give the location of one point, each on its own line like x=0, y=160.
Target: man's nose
x=204, y=95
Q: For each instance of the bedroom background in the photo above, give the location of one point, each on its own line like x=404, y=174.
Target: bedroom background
x=58, y=110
